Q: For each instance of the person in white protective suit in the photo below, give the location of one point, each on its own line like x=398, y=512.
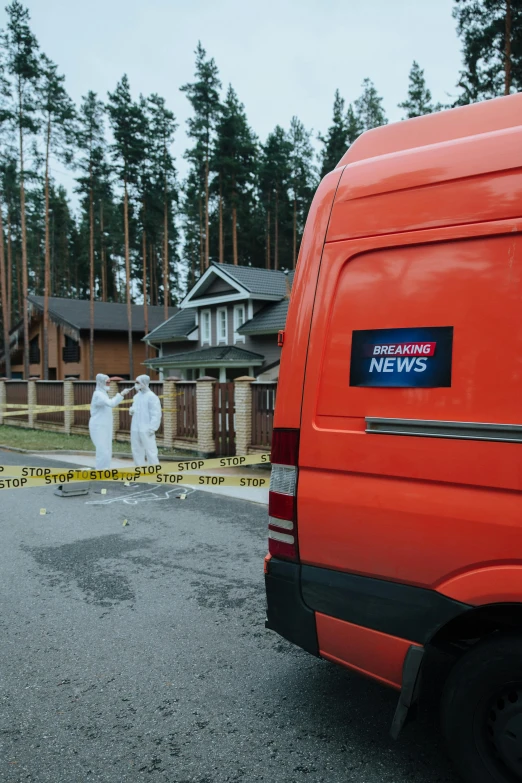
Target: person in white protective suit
x=100, y=423
x=146, y=419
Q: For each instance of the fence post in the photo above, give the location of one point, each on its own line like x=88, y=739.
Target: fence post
x=31, y=402
x=3, y=399
x=68, y=402
x=205, y=414
x=113, y=389
x=170, y=418
x=243, y=404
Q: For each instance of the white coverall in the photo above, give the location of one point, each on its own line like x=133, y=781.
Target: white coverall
x=146, y=419
x=100, y=423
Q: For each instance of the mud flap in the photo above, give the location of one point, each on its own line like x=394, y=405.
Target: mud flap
x=410, y=688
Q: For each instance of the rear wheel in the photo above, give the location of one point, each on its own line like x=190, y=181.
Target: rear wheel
x=481, y=711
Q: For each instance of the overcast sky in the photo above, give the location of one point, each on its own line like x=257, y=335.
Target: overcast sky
x=283, y=57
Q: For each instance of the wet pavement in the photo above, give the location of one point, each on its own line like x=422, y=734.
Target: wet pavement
x=137, y=651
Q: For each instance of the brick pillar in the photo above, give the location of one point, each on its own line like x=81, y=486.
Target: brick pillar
x=170, y=418
x=68, y=402
x=113, y=390
x=205, y=414
x=3, y=400
x=31, y=401
x=243, y=405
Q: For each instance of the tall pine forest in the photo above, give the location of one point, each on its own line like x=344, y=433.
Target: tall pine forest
x=138, y=233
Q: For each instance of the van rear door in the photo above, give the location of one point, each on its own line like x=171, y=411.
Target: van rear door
x=438, y=310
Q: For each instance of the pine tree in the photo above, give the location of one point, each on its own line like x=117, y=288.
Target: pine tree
x=368, y=107
x=335, y=142
x=127, y=122
x=5, y=162
x=234, y=161
x=491, y=34
x=303, y=178
x=10, y=188
x=274, y=182
x=91, y=142
x=162, y=128
x=192, y=251
x=57, y=119
x=419, y=101
x=4, y=297
x=23, y=69
x=203, y=94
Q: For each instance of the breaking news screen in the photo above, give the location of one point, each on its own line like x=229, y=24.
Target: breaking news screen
x=407, y=358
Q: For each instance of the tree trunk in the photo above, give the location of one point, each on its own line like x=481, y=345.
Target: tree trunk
x=507, y=62
x=145, y=304
x=276, y=231
x=5, y=308
x=18, y=286
x=9, y=272
x=234, y=233
x=294, y=257
x=25, y=280
x=128, y=274
x=68, y=275
x=268, y=239
x=154, y=262
x=47, y=261
x=221, y=249
x=38, y=270
x=201, y=243
x=207, y=255
x=103, y=256
x=91, y=275
x=166, y=292
x=151, y=277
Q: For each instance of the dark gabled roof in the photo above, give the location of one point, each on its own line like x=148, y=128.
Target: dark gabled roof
x=270, y=282
x=176, y=328
x=269, y=320
x=108, y=316
x=208, y=357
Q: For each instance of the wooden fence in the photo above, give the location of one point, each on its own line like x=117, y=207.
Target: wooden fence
x=196, y=417
x=263, y=404
x=186, y=411
x=16, y=393
x=83, y=391
x=50, y=393
x=224, y=415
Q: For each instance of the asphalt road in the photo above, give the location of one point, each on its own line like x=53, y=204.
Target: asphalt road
x=138, y=652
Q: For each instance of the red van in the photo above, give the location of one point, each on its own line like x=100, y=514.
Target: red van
x=396, y=494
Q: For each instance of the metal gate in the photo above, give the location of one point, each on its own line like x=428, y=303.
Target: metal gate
x=224, y=419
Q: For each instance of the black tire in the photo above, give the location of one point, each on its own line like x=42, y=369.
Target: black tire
x=481, y=711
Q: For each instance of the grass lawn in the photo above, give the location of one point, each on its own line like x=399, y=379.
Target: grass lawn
x=40, y=440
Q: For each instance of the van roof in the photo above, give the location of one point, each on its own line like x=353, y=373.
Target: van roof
x=471, y=120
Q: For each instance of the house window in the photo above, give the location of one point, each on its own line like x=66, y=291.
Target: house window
x=71, y=350
x=205, y=326
x=222, y=330
x=239, y=320
x=34, y=350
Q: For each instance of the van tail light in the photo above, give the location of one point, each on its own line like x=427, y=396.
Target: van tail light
x=282, y=497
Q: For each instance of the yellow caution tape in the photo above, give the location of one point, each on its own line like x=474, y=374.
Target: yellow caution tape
x=22, y=409
x=181, y=466
x=193, y=479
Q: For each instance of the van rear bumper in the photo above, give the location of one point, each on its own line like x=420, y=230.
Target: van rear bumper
x=287, y=614
x=296, y=592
